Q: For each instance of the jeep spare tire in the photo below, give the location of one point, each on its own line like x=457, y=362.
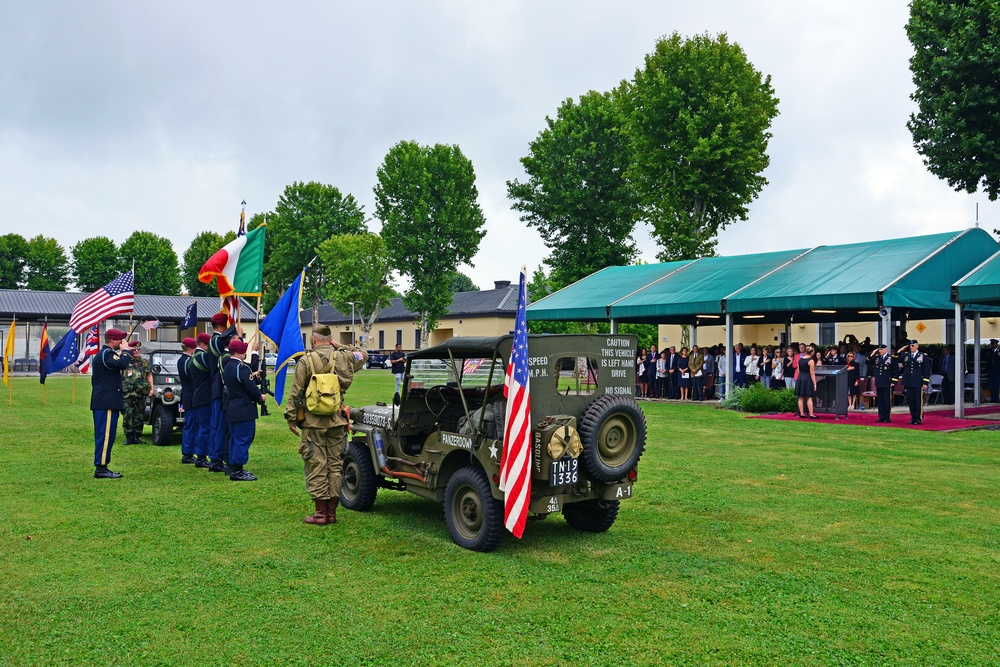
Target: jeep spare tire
x=613, y=431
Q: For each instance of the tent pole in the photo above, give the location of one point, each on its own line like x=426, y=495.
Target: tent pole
x=614, y=326
x=887, y=328
x=694, y=335
x=977, y=352
x=729, y=353
x=959, y=362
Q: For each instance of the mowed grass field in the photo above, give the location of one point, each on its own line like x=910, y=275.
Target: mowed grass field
x=748, y=542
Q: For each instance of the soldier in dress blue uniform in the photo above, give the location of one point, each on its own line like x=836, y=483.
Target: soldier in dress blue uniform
x=190, y=433
x=201, y=399
x=107, y=400
x=993, y=370
x=885, y=369
x=219, y=442
x=916, y=374
x=242, y=399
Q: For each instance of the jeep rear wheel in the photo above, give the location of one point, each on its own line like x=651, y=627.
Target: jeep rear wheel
x=163, y=425
x=613, y=431
x=473, y=515
x=358, y=489
x=591, y=516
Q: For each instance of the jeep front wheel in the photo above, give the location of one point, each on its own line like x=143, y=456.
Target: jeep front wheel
x=591, y=516
x=358, y=489
x=163, y=425
x=473, y=515
x=613, y=432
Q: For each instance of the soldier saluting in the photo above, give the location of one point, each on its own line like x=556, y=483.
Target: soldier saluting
x=884, y=366
x=106, y=400
x=916, y=373
x=243, y=397
x=137, y=384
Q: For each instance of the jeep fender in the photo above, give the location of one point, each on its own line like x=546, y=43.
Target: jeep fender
x=363, y=433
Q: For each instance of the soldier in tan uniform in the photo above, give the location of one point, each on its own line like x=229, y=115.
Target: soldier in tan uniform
x=323, y=436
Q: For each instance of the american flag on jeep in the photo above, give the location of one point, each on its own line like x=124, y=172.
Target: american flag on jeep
x=515, y=465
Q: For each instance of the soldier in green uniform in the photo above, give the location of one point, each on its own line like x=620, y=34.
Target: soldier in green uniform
x=137, y=384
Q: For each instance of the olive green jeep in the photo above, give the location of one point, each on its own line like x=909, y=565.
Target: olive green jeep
x=442, y=438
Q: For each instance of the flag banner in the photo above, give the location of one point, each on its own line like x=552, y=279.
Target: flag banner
x=515, y=463
x=151, y=324
x=91, y=347
x=190, y=317
x=65, y=353
x=115, y=298
x=44, y=354
x=243, y=223
x=230, y=305
x=282, y=329
x=239, y=266
x=8, y=352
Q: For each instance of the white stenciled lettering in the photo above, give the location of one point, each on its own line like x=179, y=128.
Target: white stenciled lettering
x=455, y=440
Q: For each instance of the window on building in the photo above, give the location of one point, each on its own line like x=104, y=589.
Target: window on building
x=399, y=336
x=381, y=339
x=416, y=339
x=827, y=333
x=949, y=331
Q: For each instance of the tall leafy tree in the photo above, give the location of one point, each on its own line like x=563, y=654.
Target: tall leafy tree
x=13, y=255
x=956, y=71
x=461, y=283
x=46, y=266
x=202, y=247
x=306, y=215
x=95, y=263
x=426, y=197
x=156, y=269
x=362, y=276
x=576, y=194
x=698, y=115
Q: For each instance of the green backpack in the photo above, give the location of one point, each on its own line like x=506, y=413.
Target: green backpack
x=323, y=390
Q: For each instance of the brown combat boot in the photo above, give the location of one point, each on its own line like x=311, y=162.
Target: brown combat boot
x=331, y=510
x=319, y=518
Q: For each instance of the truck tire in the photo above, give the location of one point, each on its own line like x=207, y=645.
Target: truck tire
x=163, y=425
x=473, y=515
x=591, y=516
x=359, y=486
x=613, y=431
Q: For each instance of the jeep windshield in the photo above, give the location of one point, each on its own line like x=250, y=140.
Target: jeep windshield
x=471, y=372
x=166, y=360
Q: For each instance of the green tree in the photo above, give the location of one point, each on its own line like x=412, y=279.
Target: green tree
x=156, y=269
x=459, y=282
x=427, y=199
x=576, y=194
x=95, y=263
x=13, y=255
x=202, y=247
x=360, y=273
x=956, y=71
x=306, y=215
x=46, y=266
x=698, y=115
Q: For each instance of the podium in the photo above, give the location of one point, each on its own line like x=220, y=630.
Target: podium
x=831, y=391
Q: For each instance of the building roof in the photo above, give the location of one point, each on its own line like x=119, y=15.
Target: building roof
x=846, y=282
x=981, y=285
x=36, y=305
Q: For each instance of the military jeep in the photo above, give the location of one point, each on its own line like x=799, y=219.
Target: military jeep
x=442, y=438
x=163, y=409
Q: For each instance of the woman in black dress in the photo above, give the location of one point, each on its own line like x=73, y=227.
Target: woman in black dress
x=853, y=382
x=684, y=374
x=805, y=385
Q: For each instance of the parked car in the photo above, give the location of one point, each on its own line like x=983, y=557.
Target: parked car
x=378, y=360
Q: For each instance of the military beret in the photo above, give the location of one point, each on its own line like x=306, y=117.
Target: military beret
x=204, y=338
x=237, y=346
x=134, y=343
x=115, y=334
x=189, y=342
x=913, y=341
x=322, y=330
x=220, y=319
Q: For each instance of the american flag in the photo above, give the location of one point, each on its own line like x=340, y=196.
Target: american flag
x=115, y=298
x=515, y=466
x=89, y=350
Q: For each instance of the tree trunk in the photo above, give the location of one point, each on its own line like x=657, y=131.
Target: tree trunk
x=424, y=332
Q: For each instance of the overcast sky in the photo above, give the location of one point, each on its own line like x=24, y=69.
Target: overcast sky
x=118, y=116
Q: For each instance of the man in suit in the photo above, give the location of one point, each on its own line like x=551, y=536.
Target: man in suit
x=946, y=367
x=673, y=374
x=739, y=366
x=916, y=373
x=651, y=371
x=884, y=367
x=107, y=400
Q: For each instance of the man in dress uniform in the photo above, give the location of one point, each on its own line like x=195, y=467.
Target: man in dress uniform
x=190, y=433
x=916, y=374
x=137, y=385
x=242, y=399
x=993, y=370
x=106, y=399
x=884, y=367
x=218, y=349
x=201, y=399
x=323, y=436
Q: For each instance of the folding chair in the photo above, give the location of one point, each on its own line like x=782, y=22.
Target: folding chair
x=934, y=388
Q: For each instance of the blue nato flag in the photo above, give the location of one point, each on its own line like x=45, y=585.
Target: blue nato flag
x=283, y=329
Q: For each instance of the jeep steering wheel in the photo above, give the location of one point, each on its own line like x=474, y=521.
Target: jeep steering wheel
x=437, y=390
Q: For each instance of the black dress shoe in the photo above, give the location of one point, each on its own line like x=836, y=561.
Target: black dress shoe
x=201, y=463
x=102, y=472
x=187, y=458
x=217, y=466
x=911, y=422
x=242, y=476
x=919, y=422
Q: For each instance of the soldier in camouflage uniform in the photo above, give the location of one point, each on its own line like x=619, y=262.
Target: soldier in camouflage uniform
x=137, y=384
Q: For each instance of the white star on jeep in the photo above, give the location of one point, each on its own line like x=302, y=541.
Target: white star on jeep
x=493, y=450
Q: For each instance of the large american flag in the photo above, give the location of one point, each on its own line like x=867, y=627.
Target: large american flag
x=90, y=349
x=115, y=298
x=515, y=465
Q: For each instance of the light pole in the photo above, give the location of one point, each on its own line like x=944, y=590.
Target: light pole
x=354, y=341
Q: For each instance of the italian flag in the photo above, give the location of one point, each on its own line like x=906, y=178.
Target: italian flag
x=239, y=266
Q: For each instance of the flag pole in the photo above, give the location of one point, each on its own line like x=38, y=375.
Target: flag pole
x=76, y=371
x=7, y=362
x=45, y=386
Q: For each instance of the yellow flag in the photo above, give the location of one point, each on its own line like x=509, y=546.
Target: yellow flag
x=8, y=352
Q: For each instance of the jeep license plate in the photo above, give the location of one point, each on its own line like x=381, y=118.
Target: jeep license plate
x=564, y=471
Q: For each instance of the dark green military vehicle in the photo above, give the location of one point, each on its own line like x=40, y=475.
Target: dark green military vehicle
x=443, y=436
x=163, y=409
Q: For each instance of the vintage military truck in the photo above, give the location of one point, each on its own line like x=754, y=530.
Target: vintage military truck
x=163, y=409
x=442, y=438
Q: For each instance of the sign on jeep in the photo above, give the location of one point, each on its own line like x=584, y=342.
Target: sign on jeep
x=442, y=438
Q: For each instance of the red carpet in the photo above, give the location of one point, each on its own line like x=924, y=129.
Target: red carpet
x=937, y=420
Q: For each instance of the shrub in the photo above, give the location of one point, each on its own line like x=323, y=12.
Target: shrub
x=732, y=399
x=758, y=398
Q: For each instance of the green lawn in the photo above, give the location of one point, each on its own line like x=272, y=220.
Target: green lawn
x=749, y=542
